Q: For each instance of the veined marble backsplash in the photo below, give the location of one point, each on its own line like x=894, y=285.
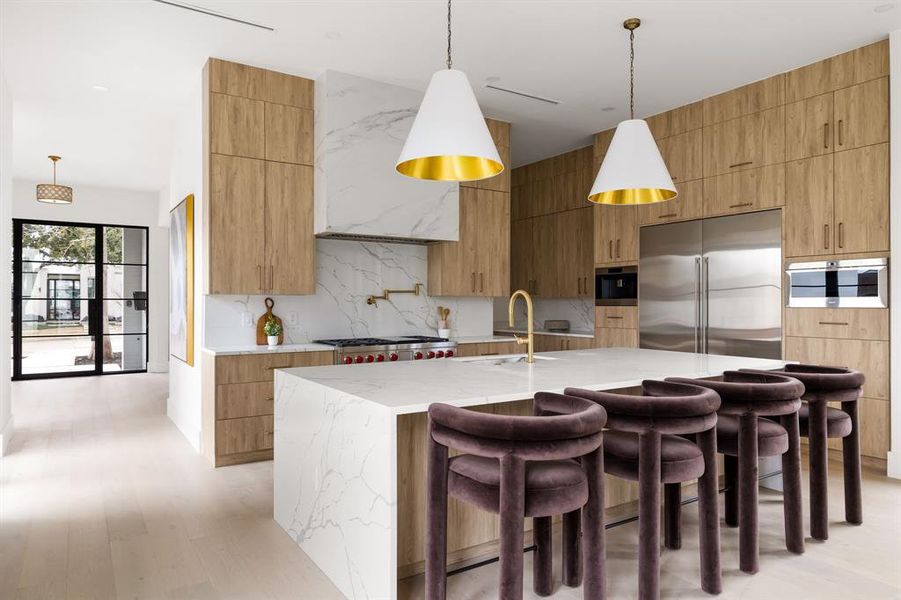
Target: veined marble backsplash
x=578, y=311
x=346, y=273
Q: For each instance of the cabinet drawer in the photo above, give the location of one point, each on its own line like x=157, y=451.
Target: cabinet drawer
x=870, y=357
x=689, y=204
x=247, y=434
x=608, y=337
x=244, y=399
x=259, y=367
x=616, y=317
x=489, y=349
x=844, y=323
x=745, y=191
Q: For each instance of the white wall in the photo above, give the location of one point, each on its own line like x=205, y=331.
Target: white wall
x=186, y=177
x=6, y=143
x=116, y=207
x=894, y=455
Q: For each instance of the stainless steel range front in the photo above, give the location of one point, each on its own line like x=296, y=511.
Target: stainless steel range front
x=350, y=351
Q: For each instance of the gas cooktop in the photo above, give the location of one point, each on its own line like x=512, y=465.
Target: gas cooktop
x=363, y=341
x=374, y=350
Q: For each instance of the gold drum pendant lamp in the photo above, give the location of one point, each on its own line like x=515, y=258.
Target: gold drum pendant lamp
x=633, y=172
x=53, y=193
x=449, y=139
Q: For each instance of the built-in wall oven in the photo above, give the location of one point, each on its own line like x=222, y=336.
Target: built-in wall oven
x=616, y=286
x=857, y=283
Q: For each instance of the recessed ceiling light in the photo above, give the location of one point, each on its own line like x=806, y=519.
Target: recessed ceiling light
x=333, y=35
x=608, y=108
x=99, y=88
x=883, y=8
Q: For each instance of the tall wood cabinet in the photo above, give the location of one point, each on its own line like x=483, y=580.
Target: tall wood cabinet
x=258, y=166
x=478, y=264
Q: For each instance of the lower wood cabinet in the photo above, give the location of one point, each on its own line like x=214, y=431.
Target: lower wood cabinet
x=489, y=348
x=237, y=403
x=558, y=343
x=842, y=323
x=616, y=317
x=614, y=337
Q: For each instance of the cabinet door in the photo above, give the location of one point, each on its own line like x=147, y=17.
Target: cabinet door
x=689, y=204
x=236, y=126
x=862, y=199
x=453, y=266
x=745, y=191
x=607, y=337
x=522, y=266
x=604, y=234
x=237, y=225
x=808, y=127
x=748, y=142
x=626, y=245
x=809, y=206
x=870, y=357
x=290, y=243
x=500, y=135
x=289, y=134
x=566, y=254
x=546, y=278
x=493, y=245
x=861, y=115
x=683, y=155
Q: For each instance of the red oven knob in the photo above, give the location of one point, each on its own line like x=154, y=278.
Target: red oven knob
x=359, y=359
x=370, y=358
x=431, y=354
x=449, y=353
x=440, y=354
x=393, y=356
x=348, y=360
x=417, y=356
x=380, y=358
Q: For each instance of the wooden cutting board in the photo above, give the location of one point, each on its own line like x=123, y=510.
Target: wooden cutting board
x=261, y=322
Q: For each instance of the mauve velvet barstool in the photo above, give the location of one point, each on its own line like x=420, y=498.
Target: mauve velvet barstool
x=517, y=467
x=743, y=435
x=818, y=422
x=643, y=443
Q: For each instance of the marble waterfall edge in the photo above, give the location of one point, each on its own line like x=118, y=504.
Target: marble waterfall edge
x=360, y=126
x=335, y=482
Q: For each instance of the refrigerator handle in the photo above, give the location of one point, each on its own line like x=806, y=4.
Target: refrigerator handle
x=704, y=303
x=697, y=302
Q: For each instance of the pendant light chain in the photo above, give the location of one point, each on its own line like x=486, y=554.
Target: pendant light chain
x=448, y=34
x=631, y=73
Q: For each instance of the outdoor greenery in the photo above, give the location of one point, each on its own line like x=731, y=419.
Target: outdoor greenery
x=69, y=243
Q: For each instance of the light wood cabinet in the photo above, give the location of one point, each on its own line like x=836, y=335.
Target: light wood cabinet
x=553, y=185
x=522, y=256
x=613, y=337
x=289, y=134
x=871, y=357
x=683, y=155
x=675, y=121
x=615, y=234
x=837, y=72
x=479, y=263
x=616, y=317
x=490, y=348
x=745, y=191
x=573, y=256
x=747, y=142
x=843, y=323
x=290, y=244
x=808, y=127
x=237, y=403
x=236, y=126
x=545, y=342
x=688, y=204
x=809, y=210
x=500, y=133
x=861, y=199
x=745, y=100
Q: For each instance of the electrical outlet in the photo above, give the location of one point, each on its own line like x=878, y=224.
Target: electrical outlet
x=292, y=317
x=246, y=319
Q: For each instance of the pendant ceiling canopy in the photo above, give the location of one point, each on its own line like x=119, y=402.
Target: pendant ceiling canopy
x=52, y=193
x=633, y=172
x=449, y=139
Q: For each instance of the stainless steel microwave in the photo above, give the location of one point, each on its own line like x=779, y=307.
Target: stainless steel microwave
x=857, y=283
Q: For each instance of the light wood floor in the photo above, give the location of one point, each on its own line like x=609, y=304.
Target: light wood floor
x=101, y=497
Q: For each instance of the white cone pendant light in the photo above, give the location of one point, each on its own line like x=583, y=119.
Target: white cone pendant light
x=633, y=172
x=449, y=139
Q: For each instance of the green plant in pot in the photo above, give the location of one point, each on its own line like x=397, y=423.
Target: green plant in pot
x=272, y=329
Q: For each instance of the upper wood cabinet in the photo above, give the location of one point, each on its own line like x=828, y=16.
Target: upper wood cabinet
x=500, y=133
x=672, y=122
x=553, y=185
x=615, y=234
x=837, y=72
x=260, y=180
x=747, y=142
x=809, y=186
x=688, y=204
x=683, y=155
x=809, y=127
x=479, y=263
x=746, y=100
x=745, y=191
x=552, y=255
x=522, y=255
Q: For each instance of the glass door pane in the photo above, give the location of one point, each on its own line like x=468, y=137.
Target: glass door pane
x=125, y=305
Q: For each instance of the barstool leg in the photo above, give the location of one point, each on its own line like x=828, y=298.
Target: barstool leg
x=593, y=535
x=572, y=555
x=672, y=513
x=436, y=523
x=512, y=514
x=543, y=565
x=791, y=495
x=730, y=471
x=819, y=471
x=649, y=516
x=708, y=517
x=747, y=499
x=851, y=462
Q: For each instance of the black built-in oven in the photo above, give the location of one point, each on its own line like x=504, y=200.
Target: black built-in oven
x=616, y=286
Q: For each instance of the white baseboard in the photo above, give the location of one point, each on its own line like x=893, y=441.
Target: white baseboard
x=893, y=469
x=6, y=434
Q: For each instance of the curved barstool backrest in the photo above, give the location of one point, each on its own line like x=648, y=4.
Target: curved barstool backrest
x=762, y=393
x=664, y=407
x=573, y=429
x=835, y=384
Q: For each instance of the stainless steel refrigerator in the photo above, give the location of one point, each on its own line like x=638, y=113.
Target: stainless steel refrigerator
x=713, y=286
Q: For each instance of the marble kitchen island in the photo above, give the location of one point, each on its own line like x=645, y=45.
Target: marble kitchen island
x=350, y=445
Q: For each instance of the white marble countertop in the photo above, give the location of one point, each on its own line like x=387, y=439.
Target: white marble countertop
x=254, y=349
x=409, y=387
x=542, y=331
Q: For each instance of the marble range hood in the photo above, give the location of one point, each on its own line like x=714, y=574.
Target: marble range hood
x=360, y=127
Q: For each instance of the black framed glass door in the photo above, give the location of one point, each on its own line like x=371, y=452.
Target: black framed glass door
x=79, y=299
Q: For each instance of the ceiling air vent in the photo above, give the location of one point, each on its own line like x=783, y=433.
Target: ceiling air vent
x=213, y=13
x=498, y=88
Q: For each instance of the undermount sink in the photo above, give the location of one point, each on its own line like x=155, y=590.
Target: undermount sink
x=504, y=360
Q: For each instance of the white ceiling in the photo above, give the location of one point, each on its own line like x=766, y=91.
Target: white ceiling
x=150, y=55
